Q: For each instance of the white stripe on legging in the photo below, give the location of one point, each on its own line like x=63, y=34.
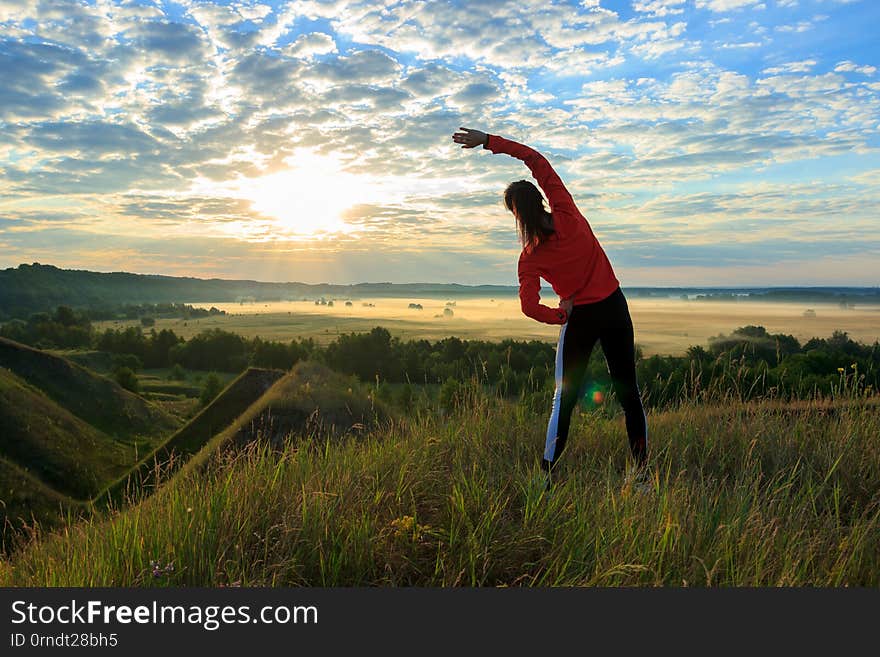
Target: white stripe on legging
x=553, y=424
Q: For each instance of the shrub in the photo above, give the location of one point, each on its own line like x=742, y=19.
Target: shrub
x=126, y=377
x=177, y=373
x=210, y=388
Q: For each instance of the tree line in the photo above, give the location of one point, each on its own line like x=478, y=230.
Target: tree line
x=748, y=363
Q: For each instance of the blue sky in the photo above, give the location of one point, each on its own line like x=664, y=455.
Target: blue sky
x=708, y=142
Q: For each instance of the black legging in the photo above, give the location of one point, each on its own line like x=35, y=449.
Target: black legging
x=607, y=321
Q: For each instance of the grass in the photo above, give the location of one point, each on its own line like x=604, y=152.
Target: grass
x=742, y=494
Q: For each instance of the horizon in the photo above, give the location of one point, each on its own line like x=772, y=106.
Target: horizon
x=452, y=283
x=733, y=142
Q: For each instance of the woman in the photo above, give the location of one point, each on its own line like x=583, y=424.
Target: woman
x=560, y=247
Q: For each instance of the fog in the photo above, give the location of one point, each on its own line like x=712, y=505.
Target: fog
x=666, y=326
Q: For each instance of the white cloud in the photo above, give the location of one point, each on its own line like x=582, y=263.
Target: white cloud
x=659, y=8
x=734, y=46
x=725, y=5
x=309, y=45
x=803, y=66
x=851, y=67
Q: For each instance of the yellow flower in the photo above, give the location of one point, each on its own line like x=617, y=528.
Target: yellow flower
x=403, y=525
x=854, y=365
x=840, y=369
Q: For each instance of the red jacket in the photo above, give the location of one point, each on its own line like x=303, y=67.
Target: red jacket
x=571, y=259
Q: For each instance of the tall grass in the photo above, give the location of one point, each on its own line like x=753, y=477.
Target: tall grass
x=742, y=494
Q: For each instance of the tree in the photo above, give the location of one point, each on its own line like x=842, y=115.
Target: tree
x=210, y=389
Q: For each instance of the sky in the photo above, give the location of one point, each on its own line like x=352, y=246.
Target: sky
x=707, y=142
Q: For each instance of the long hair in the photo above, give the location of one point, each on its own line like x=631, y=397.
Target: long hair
x=530, y=212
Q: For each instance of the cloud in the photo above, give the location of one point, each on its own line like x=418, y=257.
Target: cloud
x=725, y=5
x=659, y=8
x=127, y=115
x=311, y=45
x=804, y=66
x=850, y=67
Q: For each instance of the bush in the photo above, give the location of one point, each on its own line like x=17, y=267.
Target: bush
x=177, y=373
x=127, y=361
x=405, y=397
x=126, y=377
x=210, y=388
x=450, y=394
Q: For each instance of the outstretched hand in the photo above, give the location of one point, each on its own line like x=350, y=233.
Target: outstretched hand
x=470, y=138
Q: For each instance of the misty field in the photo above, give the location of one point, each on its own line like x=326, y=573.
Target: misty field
x=662, y=326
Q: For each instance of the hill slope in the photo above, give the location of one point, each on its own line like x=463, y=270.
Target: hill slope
x=66, y=433
x=310, y=400
x=25, y=499
x=97, y=400
x=60, y=449
x=231, y=403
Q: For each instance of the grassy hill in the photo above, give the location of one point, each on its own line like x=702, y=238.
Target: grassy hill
x=229, y=405
x=53, y=461
x=95, y=399
x=65, y=434
x=741, y=495
x=311, y=400
x=60, y=449
x=26, y=499
x=58, y=462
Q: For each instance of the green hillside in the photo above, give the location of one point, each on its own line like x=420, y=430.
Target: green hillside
x=310, y=400
x=26, y=499
x=95, y=399
x=60, y=449
x=66, y=433
x=231, y=403
x=53, y=460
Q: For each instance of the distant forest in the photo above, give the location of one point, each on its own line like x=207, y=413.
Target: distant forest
x=34, y=288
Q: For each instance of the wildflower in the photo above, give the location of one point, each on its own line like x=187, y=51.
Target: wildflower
x=158, y=570
x=840, y=370
x=854, y=365
x=407, y=526
x=403, y=525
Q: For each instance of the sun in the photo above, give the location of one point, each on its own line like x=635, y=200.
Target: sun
x=311, y=197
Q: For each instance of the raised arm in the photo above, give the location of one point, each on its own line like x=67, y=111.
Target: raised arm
x=561, y=203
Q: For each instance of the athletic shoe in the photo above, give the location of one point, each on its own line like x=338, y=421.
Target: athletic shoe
x=638, y=480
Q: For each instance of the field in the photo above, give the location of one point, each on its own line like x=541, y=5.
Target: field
x=663, y=326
